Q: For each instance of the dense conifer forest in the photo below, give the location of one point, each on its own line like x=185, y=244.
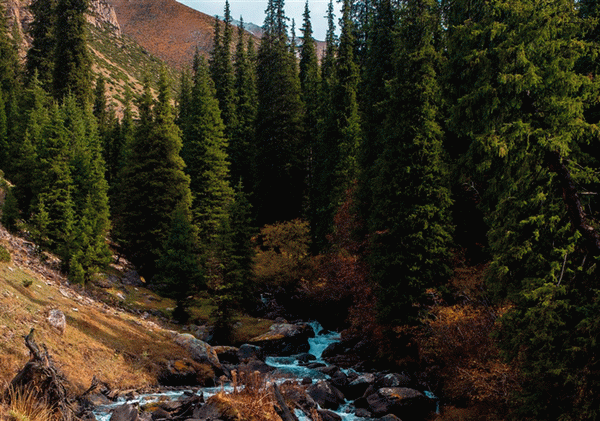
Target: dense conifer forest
x=430, y=137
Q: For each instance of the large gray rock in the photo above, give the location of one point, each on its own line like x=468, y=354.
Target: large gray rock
x=400, y=401
x=248, y=352
x=126, y=412
x=57, y=320
x=326, y=395
x=357, y=387
x=199, y=350
x=395, y=380
x=285, y=339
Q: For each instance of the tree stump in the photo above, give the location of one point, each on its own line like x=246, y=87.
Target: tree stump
x=43, y=379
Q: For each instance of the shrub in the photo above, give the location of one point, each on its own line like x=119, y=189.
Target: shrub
x=283, y=253
x=4, y=254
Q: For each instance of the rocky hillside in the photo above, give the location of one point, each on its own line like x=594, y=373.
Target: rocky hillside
x=119, y=57
x=166, y=28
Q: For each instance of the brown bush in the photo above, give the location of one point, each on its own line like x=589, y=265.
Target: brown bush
x=251, y=400
x=458, y=339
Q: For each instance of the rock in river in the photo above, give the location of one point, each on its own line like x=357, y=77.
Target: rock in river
x=285, y=339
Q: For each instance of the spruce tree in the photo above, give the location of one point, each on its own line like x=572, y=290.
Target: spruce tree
x=153, y=182
x=377, y=71
x=205, y=154
x=72, y=60
x=520, y=108
x=40, y=57
x=178, y=273
x=410, y=218
x=3, y=135
x=241, y=150
x=53, y=183
x=221, y=67
x=280, y=187
x=9, y=59
x=341, y=133
x=325, y=151
x=235, y=292
x=310, y=82
x=90, y=252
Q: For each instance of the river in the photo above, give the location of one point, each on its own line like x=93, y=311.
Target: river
x=285, y=366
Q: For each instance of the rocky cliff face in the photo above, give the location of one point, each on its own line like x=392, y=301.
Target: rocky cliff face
x=103, y=13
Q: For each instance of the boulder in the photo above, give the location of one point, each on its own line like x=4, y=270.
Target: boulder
x=199, y=350
x=285, y=339
x=132, y=278
x=339, y=380
x=357, y=387
x=253, y=365
x=326, y=415
x=57, y=320
x=395, y=380
x=204, y=333
x=362, y=413
x=126, y=412
x=300, y=399
x=305, y=357
x=215, y=409
x=247, y=352
x=184, y=372
x=400, y=401
x=227, y=354
x=326, y=395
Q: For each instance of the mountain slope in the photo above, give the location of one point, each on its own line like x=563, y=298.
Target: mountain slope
x=166, y=28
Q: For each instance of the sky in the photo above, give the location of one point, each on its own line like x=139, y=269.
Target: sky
x=254, y=11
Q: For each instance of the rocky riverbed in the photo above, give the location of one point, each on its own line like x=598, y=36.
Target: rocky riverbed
x=290, y=354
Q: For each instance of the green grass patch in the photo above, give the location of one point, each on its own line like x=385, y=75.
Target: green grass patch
x=249, y=328
x=4, y=254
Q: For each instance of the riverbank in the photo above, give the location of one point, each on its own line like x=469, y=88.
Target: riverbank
x=114, y=331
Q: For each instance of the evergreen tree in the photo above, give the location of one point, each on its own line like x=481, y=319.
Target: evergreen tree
x=205, y=154
x=53, y=184
x=90, y=251
x=72, y=60
x=377, y=71
x=9, y=85
x=337, y=152
x=280, y=188
x=41, y=55
x=221, y=67
x=3, y=135
x=241, y=150
x=9, y=59
x=310, y=80
x=24, y=153
x=178, y=270
x=236, y=288
x=410, y=218
x=520, y=109
x=153, y=182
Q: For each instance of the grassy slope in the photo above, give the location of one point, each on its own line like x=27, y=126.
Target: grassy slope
x=118, y=347
x=123, y=62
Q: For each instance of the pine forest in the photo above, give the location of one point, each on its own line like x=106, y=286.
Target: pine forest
x=426, y=183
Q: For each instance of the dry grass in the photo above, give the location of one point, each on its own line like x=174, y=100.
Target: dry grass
x=22, y=405
x=120, y=349
x=251, y=400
